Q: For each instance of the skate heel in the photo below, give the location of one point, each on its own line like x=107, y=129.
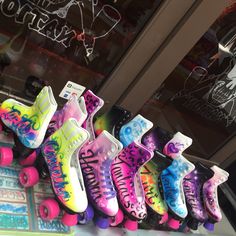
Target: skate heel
x=112, y=121
x=93, y=105
x=177, y=145
x=134, y=130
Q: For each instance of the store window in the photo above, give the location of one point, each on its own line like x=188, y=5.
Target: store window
x=53, y=41
x=199, y=97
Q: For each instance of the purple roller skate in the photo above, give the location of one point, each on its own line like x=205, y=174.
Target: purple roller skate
x=210, y=197
x=193, y=184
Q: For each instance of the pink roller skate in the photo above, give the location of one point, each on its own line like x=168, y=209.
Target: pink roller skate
x=60, y=157
x=95, y=160
x=210, y=197
x=125, y=173
x=28, y=123
x=93, y=105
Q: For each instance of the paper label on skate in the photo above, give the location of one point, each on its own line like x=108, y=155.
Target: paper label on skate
x=71, y=88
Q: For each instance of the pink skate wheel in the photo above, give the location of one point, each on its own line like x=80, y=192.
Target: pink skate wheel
x=164, y=218
x=28, y=161
x=173, y=223
x=6, y=156
x=131, y=225
x=69, y=219
x=49, y=209
x=118, y=218
x=29, y=176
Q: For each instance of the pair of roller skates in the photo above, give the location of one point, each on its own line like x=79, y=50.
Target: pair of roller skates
x=200, y=188
x=126, y=166
x=59, y=151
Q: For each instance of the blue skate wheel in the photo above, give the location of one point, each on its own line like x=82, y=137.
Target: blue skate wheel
x=102, y=222
x=87, y=216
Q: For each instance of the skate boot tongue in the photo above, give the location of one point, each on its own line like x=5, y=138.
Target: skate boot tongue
x=220, y=175
x=156, y=139
x=177, y=145
x=93, y=105
x=72, y=109
x=112, y=121
x=134, y=130
x=209, y=226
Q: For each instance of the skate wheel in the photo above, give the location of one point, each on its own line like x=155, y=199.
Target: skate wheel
x=6, y=156
x=29, y=176
x=102, y=222
x=209, y=226
x=69, y=219
x=131, y=225
x=29, y=161
x=173, y=223
x=164, y=218
x=87, y=216
x=118, y=218
x=49, y=209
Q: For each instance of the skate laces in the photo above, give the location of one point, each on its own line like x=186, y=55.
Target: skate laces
x=107, y=180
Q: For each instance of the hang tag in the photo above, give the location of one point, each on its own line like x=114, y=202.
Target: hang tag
x=71, y=88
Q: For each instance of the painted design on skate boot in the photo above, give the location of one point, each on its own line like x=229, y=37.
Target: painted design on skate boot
x=112, y=121
x=74, y=108
x=93, y=105
x=60, y=154
x=150, y=173
x=172, y=180
x=210, y=196
x=134, y=130
x=29, y=123
x=128, y=184
x=95, y=160
x=177, y=145
x=156, y=139
x=193, y=185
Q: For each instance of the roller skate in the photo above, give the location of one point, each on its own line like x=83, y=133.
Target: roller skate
x=193, y=186
x=156, y=139
x=134, y=130
x=177, y=145
x=172, y=187
x=28, y=124
x=93, y=105
x=95, y=160
x=112, y=121
x=210, y=197
x=125, y=174
x=60, y=159
x=156, y=206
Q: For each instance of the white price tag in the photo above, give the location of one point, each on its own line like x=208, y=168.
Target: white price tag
x=71, y=88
